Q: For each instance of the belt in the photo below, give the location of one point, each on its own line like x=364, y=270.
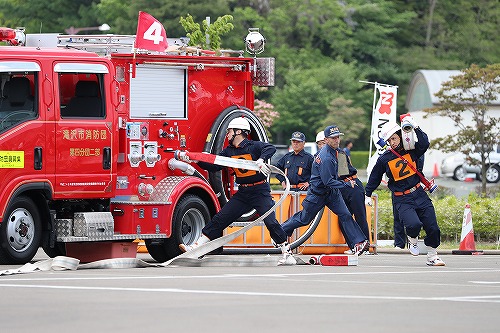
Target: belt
x=252, y=184
x=350, y=178
x=408, y=191
x=299, y=185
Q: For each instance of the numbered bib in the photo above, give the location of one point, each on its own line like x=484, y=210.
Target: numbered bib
x=241, y=173
x=400, y=169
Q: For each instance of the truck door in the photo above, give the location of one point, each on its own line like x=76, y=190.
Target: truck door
x=83, y=133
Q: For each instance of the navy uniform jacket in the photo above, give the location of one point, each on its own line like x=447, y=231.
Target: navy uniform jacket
x=326, y=178
x=248, y=150
x=401, y=176
x=297, y=167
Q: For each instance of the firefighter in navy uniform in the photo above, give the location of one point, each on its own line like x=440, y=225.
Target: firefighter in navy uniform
x=354, y=197
x=413, y=205
x=324, y=191
x=254, y=192
x=296, y=164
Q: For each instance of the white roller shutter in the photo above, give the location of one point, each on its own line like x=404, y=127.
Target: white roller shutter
x=158, y=92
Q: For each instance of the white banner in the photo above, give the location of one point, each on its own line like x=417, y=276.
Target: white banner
x=384, y=110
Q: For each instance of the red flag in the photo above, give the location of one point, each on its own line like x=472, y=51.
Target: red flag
x=151, y=34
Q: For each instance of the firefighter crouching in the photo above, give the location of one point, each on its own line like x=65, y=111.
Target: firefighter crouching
x=254, y=192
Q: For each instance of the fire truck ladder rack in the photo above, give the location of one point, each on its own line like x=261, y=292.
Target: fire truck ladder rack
x=110, y=43
x=101, y=44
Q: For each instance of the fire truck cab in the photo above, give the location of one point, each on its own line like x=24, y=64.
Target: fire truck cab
x=87, y=141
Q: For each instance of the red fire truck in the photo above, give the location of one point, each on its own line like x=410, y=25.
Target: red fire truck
x=87, y=141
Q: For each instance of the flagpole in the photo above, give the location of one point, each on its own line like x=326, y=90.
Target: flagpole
x=374, y=105
x=133, y=64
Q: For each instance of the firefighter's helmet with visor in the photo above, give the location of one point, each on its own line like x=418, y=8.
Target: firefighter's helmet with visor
x=388, y=130
x=239, y=123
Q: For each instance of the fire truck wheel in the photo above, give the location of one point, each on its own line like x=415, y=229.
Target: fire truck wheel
x=59, y=248
x=20, y=232
x=190, y=216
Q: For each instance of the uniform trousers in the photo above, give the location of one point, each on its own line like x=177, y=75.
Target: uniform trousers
x=256, y=197
x=313, y=203
x=416, y=211
x=354, y=198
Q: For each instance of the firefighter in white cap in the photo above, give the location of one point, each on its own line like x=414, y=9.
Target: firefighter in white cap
x=320, y=140
x=413, y=205
x=254, y=192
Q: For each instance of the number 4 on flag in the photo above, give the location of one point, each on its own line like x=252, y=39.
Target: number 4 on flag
x=151, y=34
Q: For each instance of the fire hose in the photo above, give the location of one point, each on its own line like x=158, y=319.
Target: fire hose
x=234, y=163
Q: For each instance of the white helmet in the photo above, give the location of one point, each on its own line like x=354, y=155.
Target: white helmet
x=388, y=130
x=320, y=136
x=239, y=123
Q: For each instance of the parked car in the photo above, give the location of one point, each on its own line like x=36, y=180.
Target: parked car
x=311, y=147
x=457, y=167
x=281, y=150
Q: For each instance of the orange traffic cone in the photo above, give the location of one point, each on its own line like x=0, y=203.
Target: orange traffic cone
x=435, y=173
x=467, y=244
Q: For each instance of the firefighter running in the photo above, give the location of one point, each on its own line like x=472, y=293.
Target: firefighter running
x=413, y=205
x=324, y=191
x=254, y=191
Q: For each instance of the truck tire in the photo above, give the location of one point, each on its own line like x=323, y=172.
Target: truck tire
x=20, y=232
x=59, y=248
x=190, y=216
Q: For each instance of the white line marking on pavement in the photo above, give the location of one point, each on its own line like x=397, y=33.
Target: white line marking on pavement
x=482, y=299
x=219, y=276
x=485, y=282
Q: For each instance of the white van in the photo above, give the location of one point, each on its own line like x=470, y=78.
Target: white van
x=311, y=147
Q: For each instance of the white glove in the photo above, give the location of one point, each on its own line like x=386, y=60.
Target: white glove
x=264, y=168
x=368, y=200
x=183, y=156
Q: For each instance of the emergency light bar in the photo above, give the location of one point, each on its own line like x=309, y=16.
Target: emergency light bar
x=13, y=36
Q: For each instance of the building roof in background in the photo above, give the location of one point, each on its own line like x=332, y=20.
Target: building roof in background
x=425, y=84
x=423, y=87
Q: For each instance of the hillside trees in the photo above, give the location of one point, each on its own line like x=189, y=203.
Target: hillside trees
x=378, y=40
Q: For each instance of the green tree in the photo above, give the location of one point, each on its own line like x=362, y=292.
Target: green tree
x=309, y=85
x=471, y=92
x=209, y=37
x=45, y=16
x=347, y=118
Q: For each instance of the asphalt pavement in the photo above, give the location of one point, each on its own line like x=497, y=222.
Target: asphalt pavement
x=383, y=293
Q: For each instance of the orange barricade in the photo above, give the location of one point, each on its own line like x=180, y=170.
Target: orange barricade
x=326, y=239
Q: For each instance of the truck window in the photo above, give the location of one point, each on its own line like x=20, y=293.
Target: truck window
x=17, y=101
x=81, y=95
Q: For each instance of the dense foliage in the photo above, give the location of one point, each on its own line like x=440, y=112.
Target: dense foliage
x=322, y=48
